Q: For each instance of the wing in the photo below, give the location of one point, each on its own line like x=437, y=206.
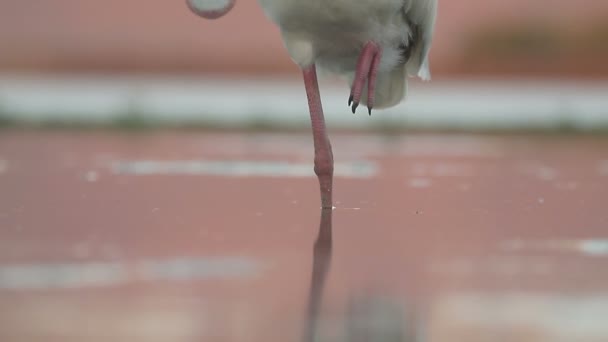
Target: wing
x=420, y=15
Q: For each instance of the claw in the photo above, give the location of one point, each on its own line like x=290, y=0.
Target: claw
x=369, y=110
x=355, y=105
x=350, y=99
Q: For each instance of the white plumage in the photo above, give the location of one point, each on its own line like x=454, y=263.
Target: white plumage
x=331, y=33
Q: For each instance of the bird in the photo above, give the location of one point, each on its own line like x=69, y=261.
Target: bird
x=375, y=45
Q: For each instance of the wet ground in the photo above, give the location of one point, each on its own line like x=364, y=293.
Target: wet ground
x=201, y=236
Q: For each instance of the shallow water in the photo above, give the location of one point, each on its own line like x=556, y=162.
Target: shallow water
x=219, y=237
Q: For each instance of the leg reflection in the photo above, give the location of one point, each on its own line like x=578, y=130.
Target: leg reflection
x=373, y=317
x=320, y=267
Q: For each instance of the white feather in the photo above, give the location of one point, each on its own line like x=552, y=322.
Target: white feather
x=422, y=13
x=331, y=34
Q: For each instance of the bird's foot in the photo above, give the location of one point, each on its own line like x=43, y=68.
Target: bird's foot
x=324, y=169
x=326, y=187
x=367, y=71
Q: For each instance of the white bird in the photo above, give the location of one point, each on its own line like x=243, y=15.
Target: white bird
x=375, y=44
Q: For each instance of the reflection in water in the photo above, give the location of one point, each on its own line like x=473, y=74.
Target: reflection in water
x=320, y=267
x=368, y=316
x=377, y=318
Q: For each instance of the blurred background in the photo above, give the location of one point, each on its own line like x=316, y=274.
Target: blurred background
x=495, y=64
x=455, y=236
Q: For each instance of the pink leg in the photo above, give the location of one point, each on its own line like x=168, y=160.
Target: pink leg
x=324, y=159
x=367, y=68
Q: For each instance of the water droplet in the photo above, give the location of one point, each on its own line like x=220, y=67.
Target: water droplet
x=91, y=176
x=3, y=166
x=420, y=182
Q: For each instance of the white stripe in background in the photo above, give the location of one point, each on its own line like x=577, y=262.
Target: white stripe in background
x=62, y=275
x=544, y=317
x=589, y=247
x=471, y=104
x=40, y=276
x=242, y=168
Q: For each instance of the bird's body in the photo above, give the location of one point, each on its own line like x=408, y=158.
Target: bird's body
x=332, y=33
x=375, y=44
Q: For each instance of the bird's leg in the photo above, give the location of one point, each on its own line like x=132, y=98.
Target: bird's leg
x=367, y=69
x=324, y=159
x=371, y=83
